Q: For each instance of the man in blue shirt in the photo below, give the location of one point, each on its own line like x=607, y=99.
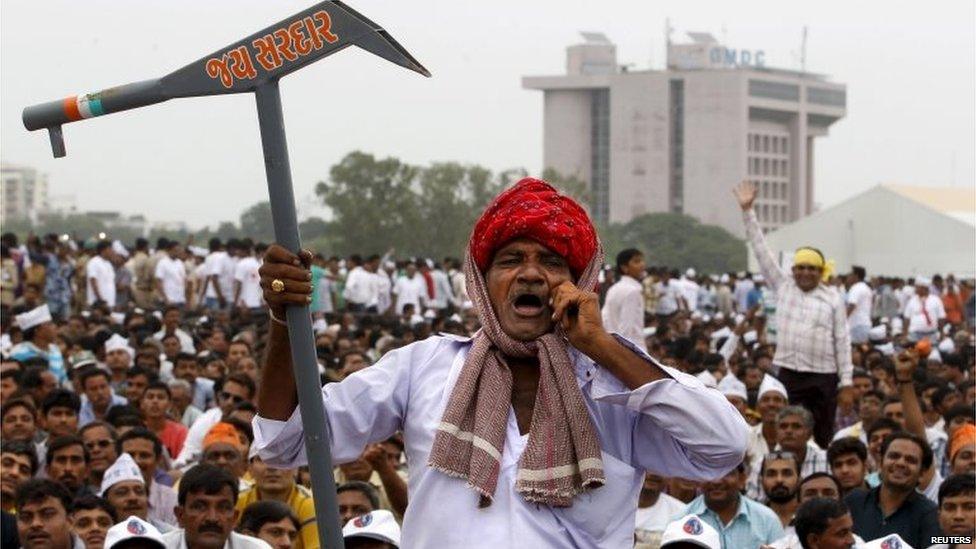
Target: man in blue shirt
x=740, y=521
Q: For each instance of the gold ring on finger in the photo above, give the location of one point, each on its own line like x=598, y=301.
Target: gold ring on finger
x=277, y=286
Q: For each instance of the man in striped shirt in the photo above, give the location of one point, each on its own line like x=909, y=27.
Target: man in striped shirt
x=813, y=352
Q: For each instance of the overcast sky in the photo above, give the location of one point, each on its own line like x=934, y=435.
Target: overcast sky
x=909, y=71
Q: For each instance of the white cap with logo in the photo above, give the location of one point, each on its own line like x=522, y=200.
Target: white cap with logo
x=379, y=525
x=134, y=528
x=690, y=529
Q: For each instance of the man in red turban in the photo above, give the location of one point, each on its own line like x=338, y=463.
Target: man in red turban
x=535, y=432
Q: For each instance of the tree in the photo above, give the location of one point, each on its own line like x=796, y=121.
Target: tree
x=373, y=203
x=677, y=241
x=569, y=185
x=256, y=222
x=313, y=228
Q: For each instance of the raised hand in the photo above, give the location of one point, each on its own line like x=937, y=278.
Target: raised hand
x=292, y=272
x=745, y=194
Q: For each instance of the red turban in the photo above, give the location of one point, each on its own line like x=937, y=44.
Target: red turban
x=534, y=209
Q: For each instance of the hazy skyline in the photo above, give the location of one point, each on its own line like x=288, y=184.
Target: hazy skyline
x=910, y=77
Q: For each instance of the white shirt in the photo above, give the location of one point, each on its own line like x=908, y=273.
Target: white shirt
x=689, y=291
x=860, y=296
x=656, y=517
x=741, y=294
x=247, y=274
x=221, y=265
x=360, y=288
x=409, y=290
x=177, y=540
x=916, y=317
x=623, y=310
x=162, y=499
x=383, y=285
x=172, y=273
x=696, y=435
x=104, y=274
x=442, y=290
x=668, y=294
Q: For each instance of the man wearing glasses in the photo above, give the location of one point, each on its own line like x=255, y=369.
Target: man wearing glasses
x=230, y=391
x=813, y=352
x=99, y=438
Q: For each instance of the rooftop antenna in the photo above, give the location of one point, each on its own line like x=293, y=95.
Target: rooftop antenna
x=803, y=51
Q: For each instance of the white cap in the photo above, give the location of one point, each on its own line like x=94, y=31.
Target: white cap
x=198, y=251
x=757, y=278
x=731, y=386
x=923, y=281
x=691, y=529
x=33, y=317
x=123, y=469
x=770, y=383
x=750, y=337
x=707, y=379
x=724, y=279
x=649, y=331
x=456, y=318
x=118, y=343
x=878, y=332
x=706, y=319
x=935, y=356
x=947, y=346
x=696, y=315
x=891, y=541
x=379, y=525
x=117, y=318
x=690, y=273
x=118, y=248
x=739, y=319
x=134, y=528
x=719, y=316
x=429, y=313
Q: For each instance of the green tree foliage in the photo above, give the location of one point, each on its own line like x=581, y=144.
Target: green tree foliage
x=677, y=241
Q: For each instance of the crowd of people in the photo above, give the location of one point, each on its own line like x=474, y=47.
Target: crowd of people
x=130, y=377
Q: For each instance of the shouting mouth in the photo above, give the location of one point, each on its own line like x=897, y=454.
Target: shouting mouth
x=529, y=305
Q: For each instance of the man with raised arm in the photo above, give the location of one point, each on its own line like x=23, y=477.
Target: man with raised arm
x=813, y=347
x=537, y=431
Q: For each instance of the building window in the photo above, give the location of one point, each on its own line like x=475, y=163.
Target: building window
x=600, y=154
x=774, y=90
x=677, y=131
x=765, y=168
x=824, y=96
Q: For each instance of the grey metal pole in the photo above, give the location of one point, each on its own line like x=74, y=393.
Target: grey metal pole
x=299, y=320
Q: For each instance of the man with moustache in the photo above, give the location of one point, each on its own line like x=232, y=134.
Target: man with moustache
x=18, y=463
x=206, y=513
x=67, y=462
x=42, y=516
x=124, y=488
x=535, y=432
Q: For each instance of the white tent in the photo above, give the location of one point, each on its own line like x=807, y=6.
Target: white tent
x=890, y=230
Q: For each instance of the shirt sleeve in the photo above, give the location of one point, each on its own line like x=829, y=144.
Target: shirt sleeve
x=681, y=428
x=842, y=344
x=632, y=316
x=366, y=407
x=767, y=263
x=729, y=347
